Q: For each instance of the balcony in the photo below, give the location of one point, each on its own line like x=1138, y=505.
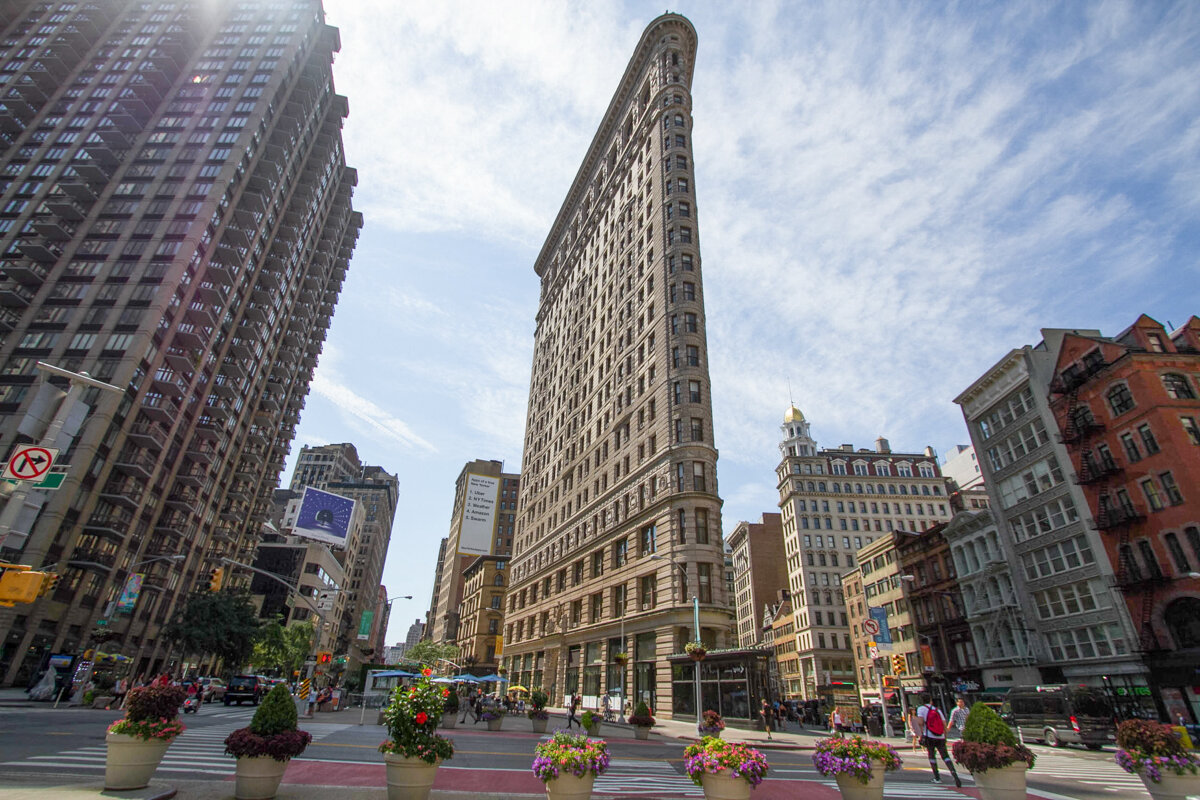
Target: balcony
x=94, y=172
x=40, y=251
x=200, y=455
x=177, y=526
x=14, y=295
x=183, y=501
x=113, y=525
x=127, y=492
x=78, y=190
x=1095, y=470
x=8, y=319
x=219, y=274
x=1112, y=517
x=168, y=385
x=180, y=360
x=189, y=337
x=26, y=271
x=92, y=559
x=65, y=207
x=53, y=229
x=159, y=409
x=195, y=478
x=135, y=464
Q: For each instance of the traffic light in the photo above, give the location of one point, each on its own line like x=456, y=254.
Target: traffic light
x=20, y=584
x=898, y=664
x=49, y=582
x=324, y=657
x=215, y=577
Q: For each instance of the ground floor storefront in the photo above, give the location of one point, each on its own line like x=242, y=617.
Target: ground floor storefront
x=731, y=682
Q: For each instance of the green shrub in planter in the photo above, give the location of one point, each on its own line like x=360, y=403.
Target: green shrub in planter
x=450, y=703
x=641, y=716
x=988, y=743
x=272, y=732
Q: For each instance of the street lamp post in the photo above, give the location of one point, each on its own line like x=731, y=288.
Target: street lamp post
x=696, y=623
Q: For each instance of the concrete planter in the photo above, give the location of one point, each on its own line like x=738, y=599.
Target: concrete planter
x=723, y=785
x=494, y=724
x=539, y=725
x=130, y=762
x=594, y=730
x=409, y=778
x=449, y=720
x=1172, y=786
x=1003, y=783
x=258, y=777
x=569, y=787
x=641, y=732
x=854, y=789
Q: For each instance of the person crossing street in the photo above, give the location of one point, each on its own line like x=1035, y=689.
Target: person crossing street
x=935, y=739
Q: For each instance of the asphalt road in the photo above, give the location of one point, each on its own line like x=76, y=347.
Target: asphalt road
x=43, y=747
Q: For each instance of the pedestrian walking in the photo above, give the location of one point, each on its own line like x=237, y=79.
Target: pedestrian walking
x=916, y=729
x=119, y=691
x=312, y=699
x=958, y=719
x=575, y=703
x=766, y=713
x=837, y=723
x=935, y=739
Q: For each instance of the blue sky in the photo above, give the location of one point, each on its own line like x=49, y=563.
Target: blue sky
x=890, y=196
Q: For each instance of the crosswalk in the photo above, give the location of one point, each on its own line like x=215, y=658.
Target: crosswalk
x=626, y=776
x=198, y=750
x=1097, y=775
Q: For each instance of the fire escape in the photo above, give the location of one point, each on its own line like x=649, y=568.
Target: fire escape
x=1100, y=474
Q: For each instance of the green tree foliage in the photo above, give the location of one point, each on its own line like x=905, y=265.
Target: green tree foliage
x=283, y=649
x=985, y=726
x=221, y=624
x=429, y=652
x=276, y=713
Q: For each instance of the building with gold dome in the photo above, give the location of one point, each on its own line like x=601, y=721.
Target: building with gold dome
x=833, y=502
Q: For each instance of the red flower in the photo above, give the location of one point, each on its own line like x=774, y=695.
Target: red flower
x=445, y=692
x=421, y=718
x=427, y=672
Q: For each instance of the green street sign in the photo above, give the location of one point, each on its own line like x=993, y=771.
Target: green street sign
x=49, y=482
x=101, y=622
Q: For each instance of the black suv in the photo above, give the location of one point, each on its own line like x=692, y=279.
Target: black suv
x=244, y=687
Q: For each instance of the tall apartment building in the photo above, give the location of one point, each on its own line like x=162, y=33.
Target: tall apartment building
x=1128, y=411
x=482, y=523
x=834, y=503
x=336, y=468
x=175, y=219
x=1045, y=530
x=620, y=521
x=759, y=572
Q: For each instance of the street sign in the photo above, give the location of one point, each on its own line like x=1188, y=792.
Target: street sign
x=102, y=622
x=873, y=651
x=49, y=481
x=870, y=627
x=30, y=462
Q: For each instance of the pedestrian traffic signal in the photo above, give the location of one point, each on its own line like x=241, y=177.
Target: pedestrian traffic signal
x=215, y=578
x=49, y=581
x=324, y=657
x=21, y=584
x=898, y=664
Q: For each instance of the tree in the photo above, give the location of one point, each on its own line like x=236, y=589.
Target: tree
x=429, y=652
x=222, y=624
x=283, y=649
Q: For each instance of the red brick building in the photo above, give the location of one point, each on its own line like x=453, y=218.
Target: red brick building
x=1129, y=414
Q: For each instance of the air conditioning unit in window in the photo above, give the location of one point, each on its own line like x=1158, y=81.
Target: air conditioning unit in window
x=647, y=606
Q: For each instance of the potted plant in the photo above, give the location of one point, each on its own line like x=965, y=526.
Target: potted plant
x=1154, y=753
x=264, y=748
x=493, y=716
x=138, y=741
x=414, y=750
x=591, y=723
x=641, y=721
x=621, y=658
x=696, y=650
x=450, y=709
x=568, y=765
x=726, y=771
x=538, y=715
x=857, y=764
x=711, y=724
x=992, y=754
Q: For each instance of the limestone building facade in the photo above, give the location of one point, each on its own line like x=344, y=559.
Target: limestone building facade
x=620, y=519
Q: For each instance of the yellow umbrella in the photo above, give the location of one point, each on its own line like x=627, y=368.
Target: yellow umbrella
x=517, y=689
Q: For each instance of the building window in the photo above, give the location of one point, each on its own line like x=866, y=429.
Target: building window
x=1120, y=399
x=576, y=612
x=881, y=468
x=1131, y=448
x=620, y=552
x=698, y=482
x=701, y=526
x=1177, y=387
x=704, y=572
x=1182, y=565
x=619, y=600
x=648, y=540
x=597, y=563
x=648, y=591
x=1170, y=488
x=1148, y=439
x=597, y=607
x=694, y=392
x=1147, y=553
x=697, y=429
x=1191, y=428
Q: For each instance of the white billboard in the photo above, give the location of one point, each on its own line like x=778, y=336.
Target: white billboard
x=478, y=515
x=324, y=516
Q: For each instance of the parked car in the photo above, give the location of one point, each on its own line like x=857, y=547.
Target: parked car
x=242, y=688
x=214, y=689
x=1061, y=714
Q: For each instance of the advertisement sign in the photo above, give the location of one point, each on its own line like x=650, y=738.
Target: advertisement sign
x=129, y=595
x=324, y=516
x=927, y=657
x=478, y=515
x=879, y=615
x=364, y=625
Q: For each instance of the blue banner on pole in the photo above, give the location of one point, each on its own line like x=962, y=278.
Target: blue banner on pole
x=879, y=616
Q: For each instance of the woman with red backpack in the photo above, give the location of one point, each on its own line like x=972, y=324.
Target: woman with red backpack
x=935, y=738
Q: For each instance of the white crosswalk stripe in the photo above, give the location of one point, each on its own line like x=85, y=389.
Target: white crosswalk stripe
x=645, y=777
x=1103, y=775
x=198, y=750
x=922, y=791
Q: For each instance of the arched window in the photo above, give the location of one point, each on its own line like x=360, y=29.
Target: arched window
x=1177, y=387
x=1183, y=621
x=499, y=581
x=1120, y=399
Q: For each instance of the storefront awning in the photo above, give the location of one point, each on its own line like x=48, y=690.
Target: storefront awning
x=996, y=690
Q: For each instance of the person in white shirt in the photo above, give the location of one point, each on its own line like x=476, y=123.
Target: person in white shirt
x=958, y=719
x=935, y=738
